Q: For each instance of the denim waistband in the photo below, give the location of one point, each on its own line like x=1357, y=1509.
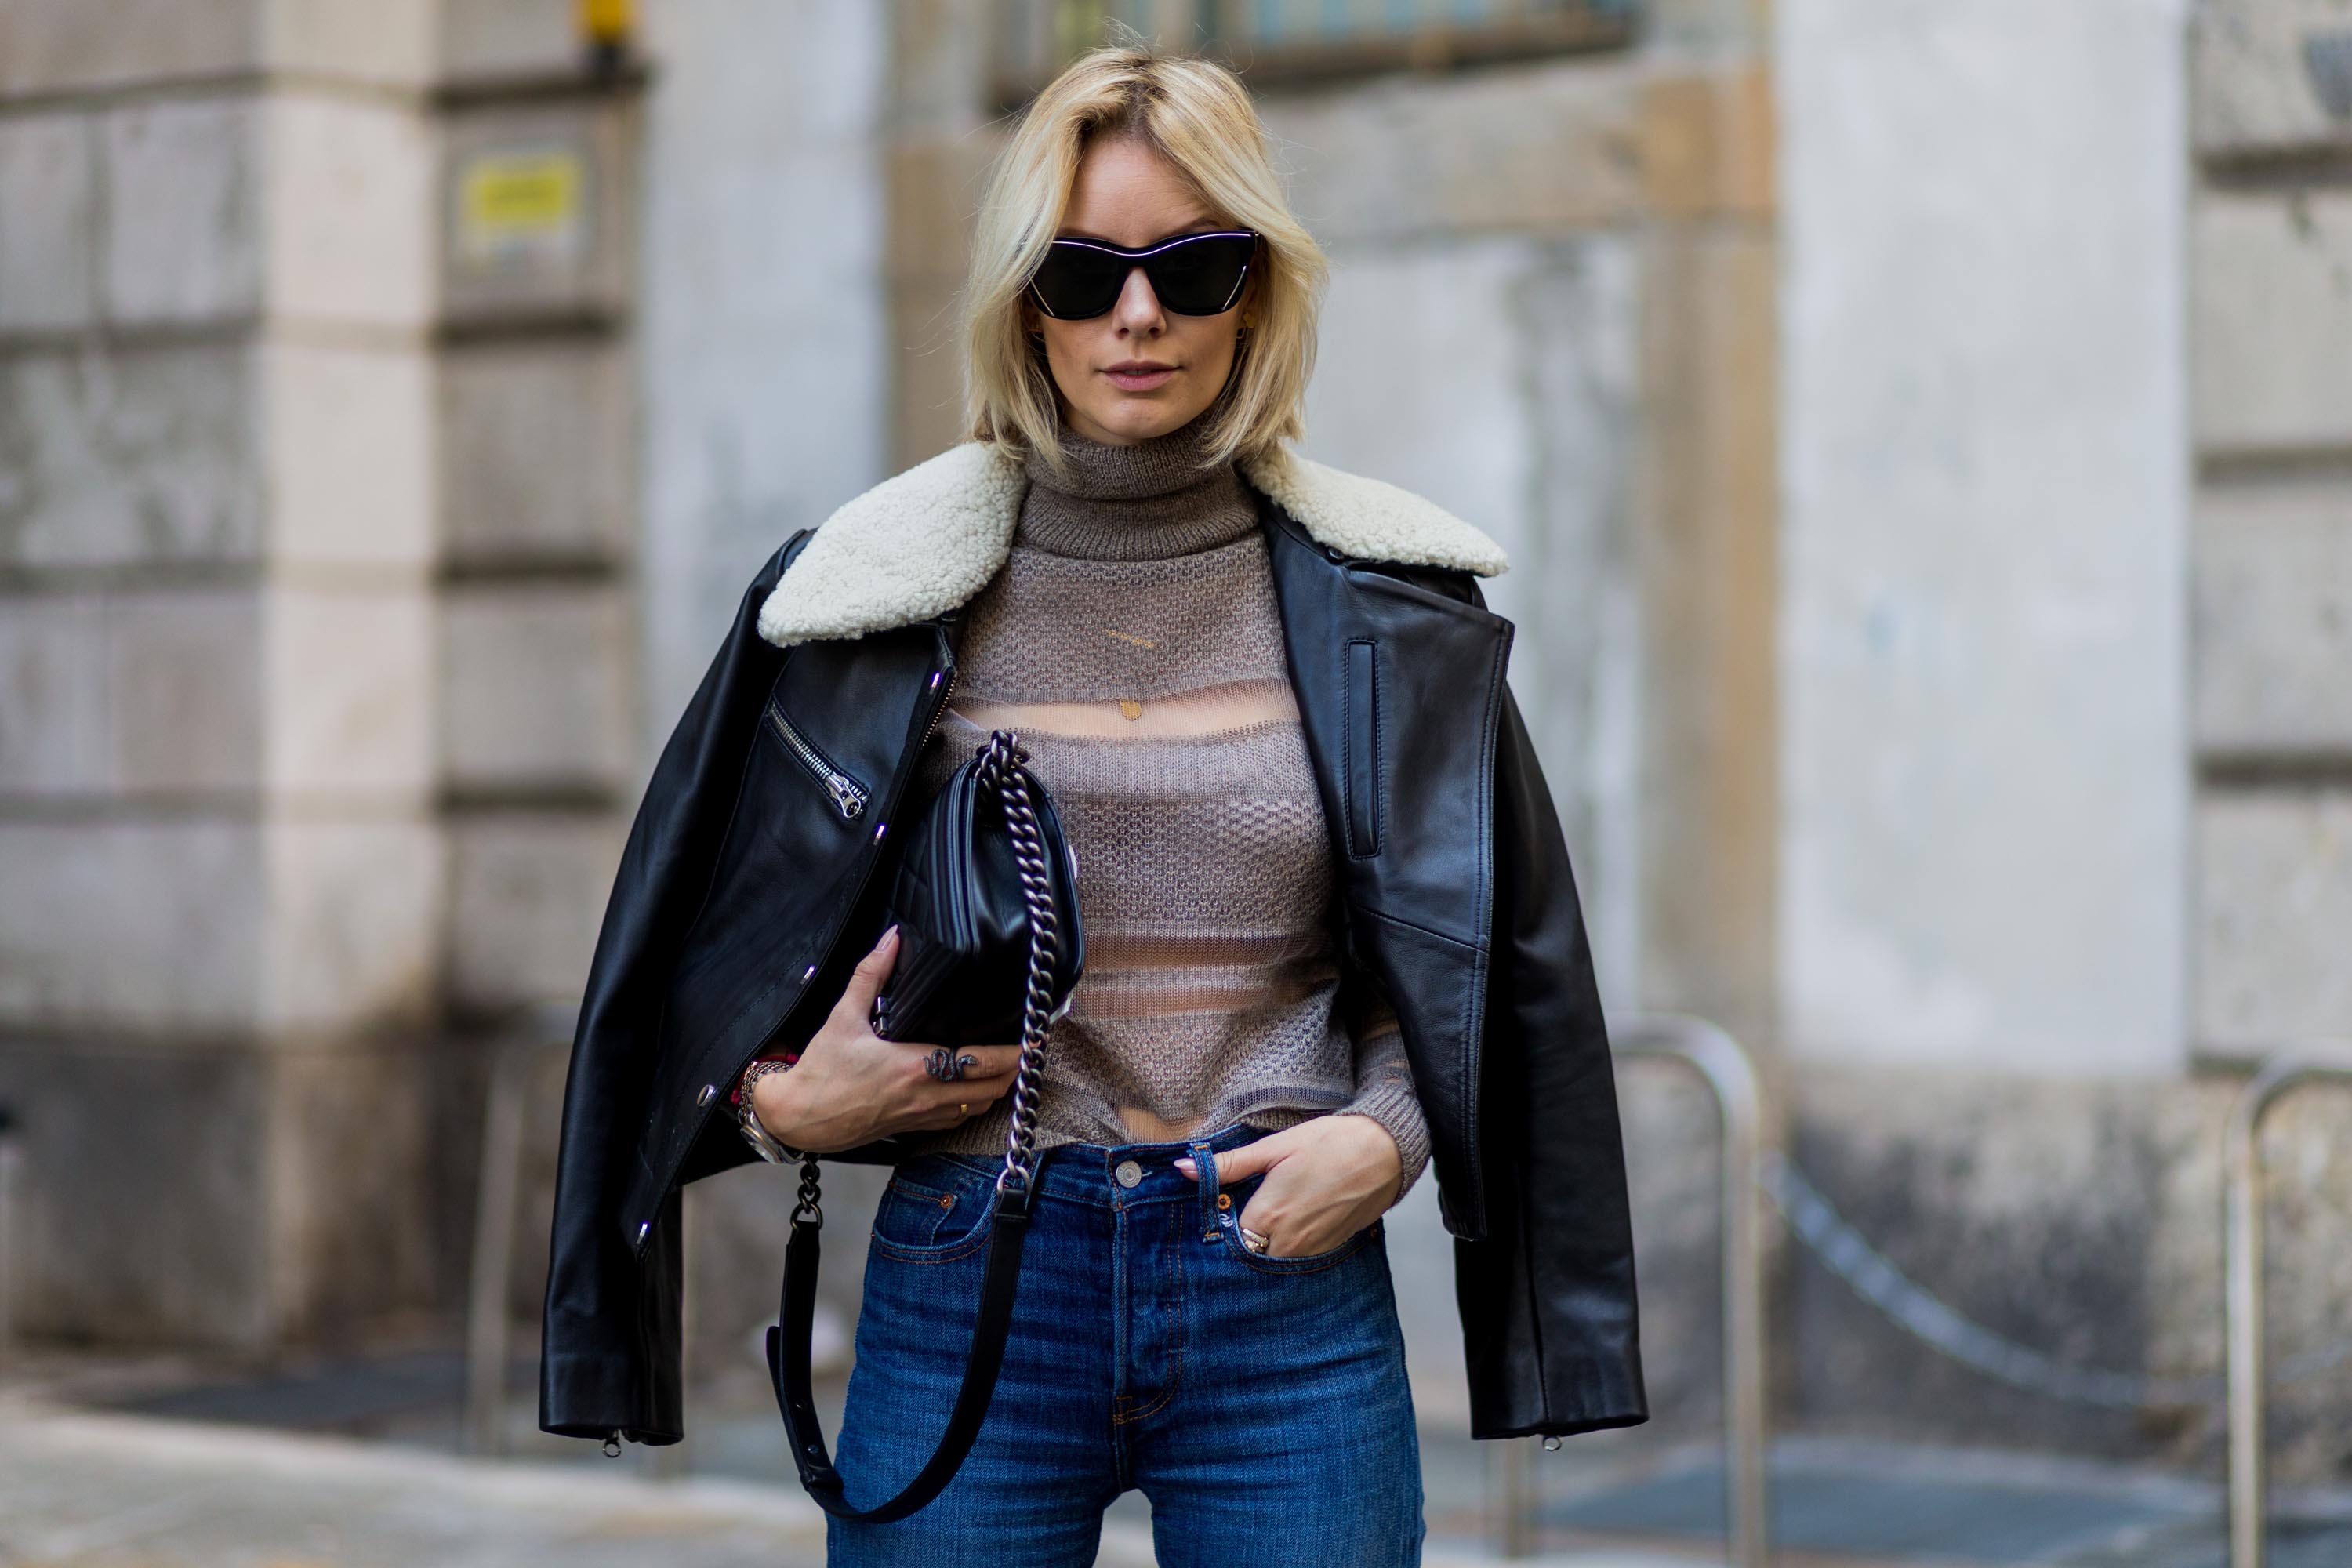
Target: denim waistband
x=1089, y=1173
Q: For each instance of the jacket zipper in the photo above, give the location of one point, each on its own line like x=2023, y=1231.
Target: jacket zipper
x=848, y=796
x=938, y=711
x=702, y=1115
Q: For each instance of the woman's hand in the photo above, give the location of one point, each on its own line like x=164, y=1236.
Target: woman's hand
x=1326, y=1178
x=851, y=1086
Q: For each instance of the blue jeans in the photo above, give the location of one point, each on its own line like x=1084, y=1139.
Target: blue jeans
x=1260, y=1403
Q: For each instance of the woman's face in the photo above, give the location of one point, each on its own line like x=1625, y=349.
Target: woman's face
x=1127, y=194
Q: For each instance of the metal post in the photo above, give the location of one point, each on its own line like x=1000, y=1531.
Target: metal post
x=493, y=1263
x=10, y=1158
x=2242, y=1301
x=1739, y=1101
x=1514, y=1509
x=513, y=1070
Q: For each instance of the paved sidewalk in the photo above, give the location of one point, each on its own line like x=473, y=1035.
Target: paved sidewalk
x=86, y=1489
x=142, y=1462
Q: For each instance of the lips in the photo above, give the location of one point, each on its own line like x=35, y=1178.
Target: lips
x=1138, y=380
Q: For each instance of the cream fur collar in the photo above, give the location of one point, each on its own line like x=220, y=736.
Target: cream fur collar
x=922, y=543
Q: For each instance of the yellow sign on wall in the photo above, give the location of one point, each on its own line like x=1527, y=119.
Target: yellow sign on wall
x=520, y=200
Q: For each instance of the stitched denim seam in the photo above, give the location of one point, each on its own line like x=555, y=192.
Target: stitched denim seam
x=1175, y=1251
x=1313, y=1262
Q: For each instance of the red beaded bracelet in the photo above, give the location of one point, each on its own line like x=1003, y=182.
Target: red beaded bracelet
x=735, y=1095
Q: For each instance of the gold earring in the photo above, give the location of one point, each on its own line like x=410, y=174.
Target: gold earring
x=1249, y=318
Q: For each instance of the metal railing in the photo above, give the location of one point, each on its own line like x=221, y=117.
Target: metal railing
x=1730, y=1076
x=2242, y=1298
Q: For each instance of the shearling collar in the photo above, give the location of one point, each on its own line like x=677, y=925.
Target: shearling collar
x=924, y=540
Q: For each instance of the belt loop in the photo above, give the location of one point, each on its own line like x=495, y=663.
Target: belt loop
x=1204, y=1159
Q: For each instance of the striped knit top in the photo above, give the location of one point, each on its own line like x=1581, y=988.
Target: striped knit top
x=1133, y=638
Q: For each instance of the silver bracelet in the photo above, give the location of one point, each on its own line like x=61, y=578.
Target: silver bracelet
x=773, y=1150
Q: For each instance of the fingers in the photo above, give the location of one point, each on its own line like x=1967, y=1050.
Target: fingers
x=1236, y=1163
x=866, y=980
x=954, y=1112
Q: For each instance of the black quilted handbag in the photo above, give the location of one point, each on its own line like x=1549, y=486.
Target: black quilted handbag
x=961, y=901
x=989, y=949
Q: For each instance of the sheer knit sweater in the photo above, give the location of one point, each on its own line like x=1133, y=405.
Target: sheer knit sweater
x=1133, y=638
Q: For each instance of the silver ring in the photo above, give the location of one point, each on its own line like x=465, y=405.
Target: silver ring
x=944, y=1064
x=1252, y=1240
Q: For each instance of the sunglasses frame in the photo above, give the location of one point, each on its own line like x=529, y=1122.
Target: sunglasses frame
x=1139, y=256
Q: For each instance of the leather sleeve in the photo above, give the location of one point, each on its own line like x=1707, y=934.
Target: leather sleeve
x=1548, y=1298
x=612, y=1346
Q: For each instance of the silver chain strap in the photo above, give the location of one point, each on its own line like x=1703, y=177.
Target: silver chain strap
x=996, y=768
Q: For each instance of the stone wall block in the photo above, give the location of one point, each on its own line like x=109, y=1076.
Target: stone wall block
x=1544, y=146
x=537, y=448
x=350, y=219
x=926, y=390
x=507, y=38
x=2274, y=617
x=349, y=438
x=118, y=457
x=2274, y=873
x=932, y=189
x=2271, y=76
x=391, y=42
x=350, y=936
x=354, y=1241
x=2273, y=317
x=142, y=926
x=144, y=1173
x=538, y=205
x=182, y=706
x=52, y=695
x=350, y=691
x=1706, y=144
x=535, y=687
x=67, y=45
x=187, y=197
x=526, y=895
x=48, y=241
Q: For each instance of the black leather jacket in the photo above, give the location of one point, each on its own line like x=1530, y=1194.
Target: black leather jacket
x=751, y=883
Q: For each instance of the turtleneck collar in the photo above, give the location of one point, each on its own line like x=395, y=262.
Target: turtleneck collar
x=1147, y=500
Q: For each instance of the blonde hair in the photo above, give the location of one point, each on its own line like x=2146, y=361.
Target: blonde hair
x=1196, y=114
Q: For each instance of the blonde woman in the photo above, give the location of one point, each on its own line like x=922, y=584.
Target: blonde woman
x=1333, y=935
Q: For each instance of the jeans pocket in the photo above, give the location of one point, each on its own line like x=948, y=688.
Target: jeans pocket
x=934, y=1209
x=1298, y=1263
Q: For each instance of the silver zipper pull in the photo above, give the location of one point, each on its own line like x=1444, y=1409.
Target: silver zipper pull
x=846, y=795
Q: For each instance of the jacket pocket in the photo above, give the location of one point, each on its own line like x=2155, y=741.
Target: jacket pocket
x=848, y=796
x=1360, y=746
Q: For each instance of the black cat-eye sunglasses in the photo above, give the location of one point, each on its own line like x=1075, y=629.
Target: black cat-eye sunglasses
x=1193, y=275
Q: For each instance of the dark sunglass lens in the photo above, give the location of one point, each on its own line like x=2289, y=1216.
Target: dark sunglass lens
x=1076, y=282
x=1198, y=277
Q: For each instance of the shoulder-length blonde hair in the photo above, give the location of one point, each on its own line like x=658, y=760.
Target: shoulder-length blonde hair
x=1196, y=114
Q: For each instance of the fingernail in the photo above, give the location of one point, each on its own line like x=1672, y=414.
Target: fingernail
x=892, y=934
x=966, y=1061
x=1188, y=1168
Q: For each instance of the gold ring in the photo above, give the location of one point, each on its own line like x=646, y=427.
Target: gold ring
x=1252, y=1240
x=963, y=1107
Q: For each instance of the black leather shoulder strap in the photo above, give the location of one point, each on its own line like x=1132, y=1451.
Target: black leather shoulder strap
x=788, y=1365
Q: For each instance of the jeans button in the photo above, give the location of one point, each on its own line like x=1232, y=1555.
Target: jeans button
x=1128, y=1173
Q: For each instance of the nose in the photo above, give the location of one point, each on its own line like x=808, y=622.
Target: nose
x=1139, y=307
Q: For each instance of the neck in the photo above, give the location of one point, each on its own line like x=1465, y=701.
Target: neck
x=1145, y=500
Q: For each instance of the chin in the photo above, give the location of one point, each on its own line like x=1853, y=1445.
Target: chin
x=1140, y=419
